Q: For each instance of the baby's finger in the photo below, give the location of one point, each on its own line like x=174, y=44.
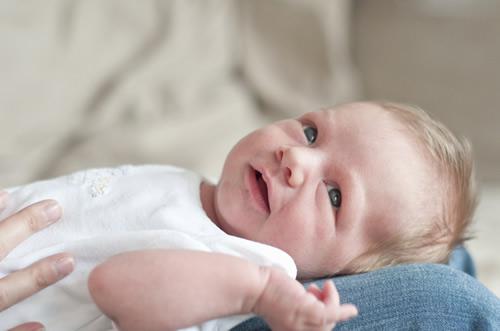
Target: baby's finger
x=315, y=290
x=31, y=326
x=346, y=312
x=312, y=313
x=330, y=294
x=24, y=283
x=336, y=311
x=16, y=228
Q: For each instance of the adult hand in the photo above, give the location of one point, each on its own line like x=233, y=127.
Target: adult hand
x=23, y=283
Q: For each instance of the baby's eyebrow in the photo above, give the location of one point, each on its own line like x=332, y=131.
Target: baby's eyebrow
x=303, y=116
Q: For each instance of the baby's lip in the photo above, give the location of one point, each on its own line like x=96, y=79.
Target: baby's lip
x=270, y=187
x=259, y=189
x=264, y=190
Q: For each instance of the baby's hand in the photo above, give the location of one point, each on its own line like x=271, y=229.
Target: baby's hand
x=287, y=306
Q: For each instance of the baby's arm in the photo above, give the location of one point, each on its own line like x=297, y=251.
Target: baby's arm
x=172, y=289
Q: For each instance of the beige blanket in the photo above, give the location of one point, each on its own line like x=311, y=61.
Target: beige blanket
x=97, y=83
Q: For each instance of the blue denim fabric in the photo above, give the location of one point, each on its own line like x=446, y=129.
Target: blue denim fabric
x=414, y=297
x=460, y=259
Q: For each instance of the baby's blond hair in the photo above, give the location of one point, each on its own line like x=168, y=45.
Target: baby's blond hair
x=430, y=240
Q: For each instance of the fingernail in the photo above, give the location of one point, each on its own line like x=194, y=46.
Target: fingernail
x=30, y=327
x=64, y=266
x=52, y=212
x=3, y=199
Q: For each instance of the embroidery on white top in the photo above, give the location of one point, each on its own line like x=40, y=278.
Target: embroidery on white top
x=98, y=181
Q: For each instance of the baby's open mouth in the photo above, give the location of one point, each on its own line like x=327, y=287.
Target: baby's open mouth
x=261, y=184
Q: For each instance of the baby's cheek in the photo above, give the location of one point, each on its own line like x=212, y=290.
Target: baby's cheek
x=296, y=230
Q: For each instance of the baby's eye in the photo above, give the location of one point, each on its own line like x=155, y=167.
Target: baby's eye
x=311, y=134
x=335, y=196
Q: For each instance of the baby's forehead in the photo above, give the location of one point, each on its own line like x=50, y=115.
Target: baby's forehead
x=351, y=112
x=392, y=161
x=360, y=107
x=369, y=131
x=362, y=119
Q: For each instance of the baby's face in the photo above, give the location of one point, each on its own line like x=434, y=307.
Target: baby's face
x=322, y=187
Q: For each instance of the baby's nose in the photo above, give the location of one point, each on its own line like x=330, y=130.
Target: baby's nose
x=292, y=161
x=295, y=177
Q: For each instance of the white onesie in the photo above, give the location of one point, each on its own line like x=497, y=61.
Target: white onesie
x=109, y=211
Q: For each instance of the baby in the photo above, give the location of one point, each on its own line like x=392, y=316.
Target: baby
x=344, y=190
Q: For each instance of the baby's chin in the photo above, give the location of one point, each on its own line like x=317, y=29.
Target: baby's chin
x=310, y=270
x=310, y=273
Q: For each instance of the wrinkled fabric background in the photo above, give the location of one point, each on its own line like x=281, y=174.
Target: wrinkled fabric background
x=98, y=83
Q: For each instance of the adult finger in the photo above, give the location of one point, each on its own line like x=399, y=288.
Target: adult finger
x=3, y=199
x=31, y=326
x=16, y=228
x=24, y=283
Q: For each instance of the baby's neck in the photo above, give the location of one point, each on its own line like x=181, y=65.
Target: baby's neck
x=207, y=197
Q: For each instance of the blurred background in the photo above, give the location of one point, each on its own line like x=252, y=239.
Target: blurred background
x=101, y=83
